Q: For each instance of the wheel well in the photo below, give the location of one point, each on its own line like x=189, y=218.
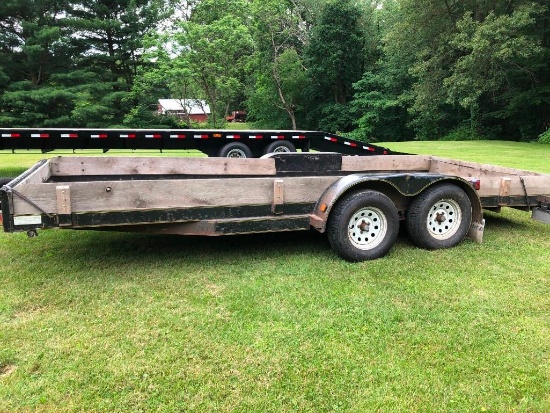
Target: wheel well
x=477, y=209
x=401, y=200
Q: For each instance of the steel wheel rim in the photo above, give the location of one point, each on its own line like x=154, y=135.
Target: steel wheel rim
x=367, y=228
x=444, y=219
x=281, y=148
x=236, y=153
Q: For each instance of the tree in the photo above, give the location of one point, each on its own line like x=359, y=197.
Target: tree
x=216, y=60
x=335, y=60
x=32, y=49
x=279, y=72
x=202, y=57
x=382, y=98
x=476, y=64
x=71, y=63
x=500, y=70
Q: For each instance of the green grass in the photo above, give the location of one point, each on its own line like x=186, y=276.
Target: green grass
x=528, y=156
x=112, y=322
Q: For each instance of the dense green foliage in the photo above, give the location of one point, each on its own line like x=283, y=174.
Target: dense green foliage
x=380, y=70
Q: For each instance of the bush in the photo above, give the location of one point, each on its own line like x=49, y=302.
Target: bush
x=462, y=133
x=545, y=137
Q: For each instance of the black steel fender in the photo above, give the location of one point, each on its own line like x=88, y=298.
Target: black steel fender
x=405, y=184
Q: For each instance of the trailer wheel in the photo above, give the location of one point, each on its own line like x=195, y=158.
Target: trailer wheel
x=4, y=181
x=235, y=150
x=439, y=217
x=280, y=147
x=363, y=226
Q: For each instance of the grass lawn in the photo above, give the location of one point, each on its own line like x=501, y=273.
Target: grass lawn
x=108, y=322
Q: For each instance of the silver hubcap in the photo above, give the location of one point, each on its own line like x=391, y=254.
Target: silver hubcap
x=236, y=153
x=444, y=219
x=367, y=228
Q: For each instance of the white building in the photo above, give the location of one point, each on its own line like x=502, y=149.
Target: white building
x=194, y=109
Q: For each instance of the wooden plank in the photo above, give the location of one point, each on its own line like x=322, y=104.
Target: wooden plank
x=473, y=169
x=101, y=166
x=145, y=195
x=534, y=185
x=42, y=174
x=383, y=163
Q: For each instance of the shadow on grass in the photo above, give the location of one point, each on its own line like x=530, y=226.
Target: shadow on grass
x=95, y=246
x=495, y=220
x=144, y=247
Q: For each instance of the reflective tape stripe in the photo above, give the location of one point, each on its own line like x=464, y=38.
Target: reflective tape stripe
x=255, y=136
x=100, y=136
x=328, y=138
x=177, y=136
x=201, y=136
x=298, y=137
x=128, y=136
x=154, y=136
x=40, y=135
x=69, y=135
x=352, y=144
x=278, y=137
x=11, y=135
x=233, y=136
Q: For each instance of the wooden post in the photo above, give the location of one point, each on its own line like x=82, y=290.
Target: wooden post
x=505, y=184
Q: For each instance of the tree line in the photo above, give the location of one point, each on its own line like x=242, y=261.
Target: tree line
x=376, y=70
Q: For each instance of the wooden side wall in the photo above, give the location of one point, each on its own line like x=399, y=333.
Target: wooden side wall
x=386, y=163
x=100, y=166
x=167, y=194
x=496, y=181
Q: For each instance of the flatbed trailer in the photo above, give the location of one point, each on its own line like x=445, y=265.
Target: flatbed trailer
x=357, y=201
x=220, y=143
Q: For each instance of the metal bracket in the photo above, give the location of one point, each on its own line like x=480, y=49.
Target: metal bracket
x=63, y=195
x=542, y=212
x=278, y=196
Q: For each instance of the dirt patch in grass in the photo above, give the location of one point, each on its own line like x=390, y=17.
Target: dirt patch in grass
x=6, y=370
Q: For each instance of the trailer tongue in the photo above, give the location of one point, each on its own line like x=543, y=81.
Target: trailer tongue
x=357, y=201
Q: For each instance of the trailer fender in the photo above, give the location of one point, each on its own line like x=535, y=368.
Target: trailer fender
x=406, y=185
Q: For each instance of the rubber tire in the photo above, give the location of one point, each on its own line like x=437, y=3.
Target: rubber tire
x=4, y=181
x=343, y=212
x=417, y=216
x=231, y=148
x=280, y=146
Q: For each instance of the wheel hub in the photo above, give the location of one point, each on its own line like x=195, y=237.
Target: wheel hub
x=444, y=219
x=236, y=153
x=440, y=217
x=364, y=226
x=367, y=228
x=281, y=149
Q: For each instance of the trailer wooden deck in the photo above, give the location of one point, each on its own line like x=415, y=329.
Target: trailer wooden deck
x=216, y=196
